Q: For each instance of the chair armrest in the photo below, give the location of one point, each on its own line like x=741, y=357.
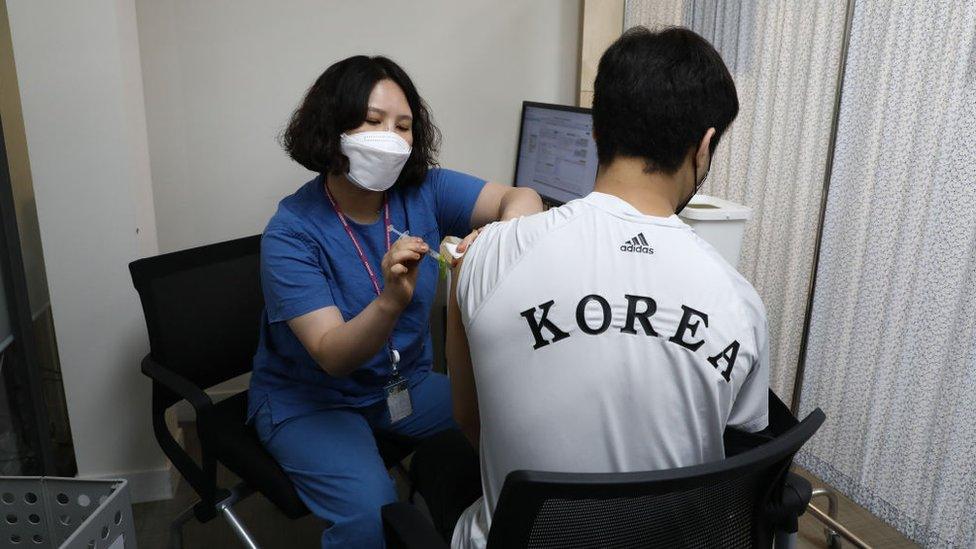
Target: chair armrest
x=202, y=477
x=405, y=526
x=785, y=513
x=176, y=383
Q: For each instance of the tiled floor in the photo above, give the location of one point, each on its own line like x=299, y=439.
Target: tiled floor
x=273, y=530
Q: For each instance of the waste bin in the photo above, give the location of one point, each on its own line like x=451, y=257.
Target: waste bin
x=719, y=222
x=65, y=513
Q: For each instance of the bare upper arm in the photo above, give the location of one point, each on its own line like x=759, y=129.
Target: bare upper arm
x=464, y=393
x=310, y=327
x=455, y=274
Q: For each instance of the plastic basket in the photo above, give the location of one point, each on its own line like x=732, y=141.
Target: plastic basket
x=66, y=513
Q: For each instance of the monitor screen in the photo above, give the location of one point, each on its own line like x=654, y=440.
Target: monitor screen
x=556, y=154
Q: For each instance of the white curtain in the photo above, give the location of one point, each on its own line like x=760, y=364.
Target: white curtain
x=784, y=57
x=892, y=349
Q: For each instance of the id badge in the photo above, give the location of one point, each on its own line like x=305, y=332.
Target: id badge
x=398, y=399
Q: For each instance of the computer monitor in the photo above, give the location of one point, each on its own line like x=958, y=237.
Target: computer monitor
x=556, y=154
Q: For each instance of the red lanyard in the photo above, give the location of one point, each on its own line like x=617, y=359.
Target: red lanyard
x=359, y=249
x=394, y=355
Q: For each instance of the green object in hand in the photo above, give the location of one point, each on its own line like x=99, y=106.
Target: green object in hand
x=443, y=265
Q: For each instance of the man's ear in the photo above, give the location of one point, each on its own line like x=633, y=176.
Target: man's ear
x=703, y=156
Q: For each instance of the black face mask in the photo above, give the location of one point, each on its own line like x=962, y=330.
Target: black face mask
x=698, y=185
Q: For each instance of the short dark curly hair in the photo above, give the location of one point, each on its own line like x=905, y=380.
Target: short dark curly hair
x=337, y=102
x=657, y=93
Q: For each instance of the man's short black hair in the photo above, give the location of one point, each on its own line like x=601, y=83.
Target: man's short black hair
x=657, y=93
x=337, y=102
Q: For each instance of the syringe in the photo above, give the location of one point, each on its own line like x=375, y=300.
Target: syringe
x=436, y=256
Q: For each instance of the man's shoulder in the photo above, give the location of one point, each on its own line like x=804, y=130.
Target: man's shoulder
x=740, y=288
x=526, y=232
x=500, y=248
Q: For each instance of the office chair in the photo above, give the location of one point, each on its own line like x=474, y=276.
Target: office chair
x=203, y=311
x=745, y=500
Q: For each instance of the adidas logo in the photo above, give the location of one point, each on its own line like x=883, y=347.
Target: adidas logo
x=637, y=244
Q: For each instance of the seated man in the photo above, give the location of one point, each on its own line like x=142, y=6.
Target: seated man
x=605, y=335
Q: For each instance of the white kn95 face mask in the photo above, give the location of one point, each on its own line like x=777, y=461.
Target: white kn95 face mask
x=375, y=158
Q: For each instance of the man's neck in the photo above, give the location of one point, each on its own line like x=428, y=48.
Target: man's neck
x=358, y=204
x=655, y=194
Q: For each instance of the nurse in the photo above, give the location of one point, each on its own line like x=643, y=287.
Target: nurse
x=345, y=344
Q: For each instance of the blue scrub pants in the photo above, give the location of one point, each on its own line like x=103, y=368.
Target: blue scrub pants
x=332, y=458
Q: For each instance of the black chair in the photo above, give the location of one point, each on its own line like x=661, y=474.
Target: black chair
x=745, y=500
x=203, y=309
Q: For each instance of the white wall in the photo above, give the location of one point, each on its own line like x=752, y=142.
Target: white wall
x=81, y=91
x=221, y=79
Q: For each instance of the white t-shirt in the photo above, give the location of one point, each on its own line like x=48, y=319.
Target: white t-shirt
x=605, y=340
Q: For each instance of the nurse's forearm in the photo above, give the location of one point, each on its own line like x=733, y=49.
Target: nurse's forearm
x=519, y=201
x=499, y=202
x=343, y=349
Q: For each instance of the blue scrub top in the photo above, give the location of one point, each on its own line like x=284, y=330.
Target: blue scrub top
x=308, y=262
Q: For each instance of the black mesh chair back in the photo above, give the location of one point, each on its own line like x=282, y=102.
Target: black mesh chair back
x=719, y=504
x=203, y=309
x=203, y=313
